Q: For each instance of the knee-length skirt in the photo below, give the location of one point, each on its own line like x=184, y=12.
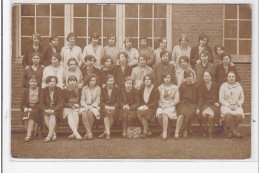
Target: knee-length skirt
x=226, y=110
x=67, y=111
x=35, y=115
x=104, y=113
x=148, y=114
x=186, y=109
x=130, y=113
x=215, y=110
x=95, y=111
x=170, y=112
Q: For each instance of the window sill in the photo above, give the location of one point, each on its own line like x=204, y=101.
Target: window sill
x=241, y=58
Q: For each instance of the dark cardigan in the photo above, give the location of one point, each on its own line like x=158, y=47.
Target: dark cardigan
x=114, y=99
x=208, y=97
x=85, y=75
x=221, y=75
x=25, y=99
x=47, y=54
x=67, y=94
x=153, y=101
x=104, y=74
x=194, y=54
x=131, y=98
x=161, y=69
x=120, y=75
x=29, y=72
x=58, y=100
x=27, y=60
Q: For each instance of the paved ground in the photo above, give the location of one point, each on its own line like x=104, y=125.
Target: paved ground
x=194, y=147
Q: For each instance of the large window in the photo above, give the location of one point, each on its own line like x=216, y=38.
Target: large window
x=238, y=29
x=41, y=18
x=145, y=20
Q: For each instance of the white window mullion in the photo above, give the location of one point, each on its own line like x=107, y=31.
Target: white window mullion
x=67, y=21
x=169, y=27
x=138, y=25
x=224, y=14
x=153, y=27
x=123, y=14
x=237, y=30
x=102, y=32
x=35, y=19
x=119, y=24
x=87, y=25
x=50, y=32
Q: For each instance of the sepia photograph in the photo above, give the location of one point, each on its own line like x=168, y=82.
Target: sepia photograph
x=131, y=81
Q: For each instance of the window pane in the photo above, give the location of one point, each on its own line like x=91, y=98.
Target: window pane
x=94, y=25
x=44, y=41
x=27, y=26
x=131, y=28
x=42, y=26
x=156, y=43
x=159, y=28
x=80, y=10
x=57, y=9
x=231, y=46
x=245, y=12
x=109, y=26
x=27, y=10
x=131, y=10
x=42, y=10
x=25, y=42
x=80, y=27
x=159, y=11
x=61, y=43
x=230, y=29
x=135, y=43
x=146, y=28
x=244, y=47
x=109, y=10
x=57, y=26
x=81, y=42
x=245, y=29
x=230, y=11
x=146, y=11
x=94, y=10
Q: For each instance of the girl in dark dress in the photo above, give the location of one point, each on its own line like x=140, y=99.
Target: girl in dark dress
x=208, y=104
x=107, y=69
x=187, y=108
x=109, y=104
x=72, y=96
x=52, y=104
x=88, y=68
x=30, y=107
x=129, y=103
x=149, y=98
x=218, y=52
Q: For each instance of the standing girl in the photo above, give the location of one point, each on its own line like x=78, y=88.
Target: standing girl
x=111, y=49
x=107, y=69
x=30, y=107
x=132, y=52
x=219, y=50
x=184, y=65
x=73, y=70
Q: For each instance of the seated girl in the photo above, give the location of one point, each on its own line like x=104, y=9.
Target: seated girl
x=184, y=65
x=169, y=98
x=73, y=70
x=111, y=49
x=71, y=106
x=129, y=103
x=149, y=98
x=52, y=104
x=132, y=52
x=208, y=104
x=231, y=97
x=30, y=107
x=110, y=100
x=90, y=104
x=187, y=108
x=107, y=69
x=219, y=50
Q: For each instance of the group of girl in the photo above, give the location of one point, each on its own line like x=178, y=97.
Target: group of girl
x=113, y=84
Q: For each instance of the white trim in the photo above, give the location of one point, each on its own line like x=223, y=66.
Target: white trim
x=169, y=27
x=19, y=33
x=237, y=29
x=153, y=27
x=67, y=16
x=120, y=24
x=102, y=25
x=50, y=25
x=86, y=25
x=138, y=26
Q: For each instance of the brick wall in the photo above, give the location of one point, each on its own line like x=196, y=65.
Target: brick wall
x=196, y=19
x=17, y=74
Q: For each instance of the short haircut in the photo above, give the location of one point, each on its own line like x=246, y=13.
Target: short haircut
x=128, y=38
x=30, y=77
x=144, y=56
x=187, y=73
x=71, y=34
x=225, y=54
x=72, y=59
x=161, y=39
x=202, y=36
x=90, y=57
x=89, y=77
x=128, y=78
x=105, y=58
x=232, y=72
x=37, y=35
x=218, y=46
x=94, y=35
x=204, y=52
x=124, y=53
x=35, y=54
x=207, y=71
x=183, y=36
x=56, y=55
x=110, y=76
x=111, y=35
x=48, y=79
x=53, y=37
x=163, y=52
x=151, y=77
x=185, y=58
x=72, y=77
x=165, y=74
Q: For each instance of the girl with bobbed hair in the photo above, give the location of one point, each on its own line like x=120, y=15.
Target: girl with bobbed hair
x=35, y=47
x=88, y=69
x=49, y=50
x=94, y=49
x=107, y=69
x=182, y=49
x=184, y=65
x=111, y=49
x=73, y=70
x=219, y=50
x=149, y=98
x=132, y=52
x=55, y=69
x=196, y=50
x=231, y=98
x=71, y=50
x=52, y=105
x=90, y=104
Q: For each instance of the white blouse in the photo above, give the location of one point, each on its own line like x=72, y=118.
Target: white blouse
x=49, y=71
x=66, y=54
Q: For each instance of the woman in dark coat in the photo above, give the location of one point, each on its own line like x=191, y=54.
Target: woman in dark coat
x=196, y=50
x=149, y=98
x=223, y=68
x=52, y=104
x=34, y=48
x=35, y=69
x=107, y=69
x=129, y=103
x=208, y=104
x=109, y=104
x=30, y=107
x=88, y=68
x=48, y=51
